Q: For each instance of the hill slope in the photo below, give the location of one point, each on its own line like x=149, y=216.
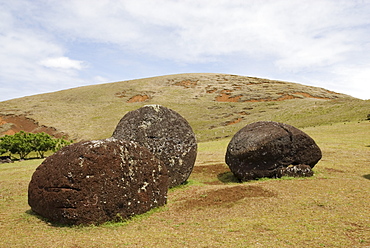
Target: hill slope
x=216, y=105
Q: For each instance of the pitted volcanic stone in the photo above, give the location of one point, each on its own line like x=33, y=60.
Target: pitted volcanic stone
x=97, y=181
x=165, y=133
x=266, y=149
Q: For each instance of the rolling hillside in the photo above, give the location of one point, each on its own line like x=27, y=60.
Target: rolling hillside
x=216, y=105
x=329, y=209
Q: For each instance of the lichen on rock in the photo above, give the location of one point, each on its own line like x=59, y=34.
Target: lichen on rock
x=166, y=134
x=95, y=181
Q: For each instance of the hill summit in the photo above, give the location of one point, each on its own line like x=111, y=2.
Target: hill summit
x=216, y=105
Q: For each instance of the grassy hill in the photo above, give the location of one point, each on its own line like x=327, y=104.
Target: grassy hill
x=330, y=209
x=216, y=105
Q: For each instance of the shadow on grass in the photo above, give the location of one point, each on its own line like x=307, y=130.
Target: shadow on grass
x=227, y=177
x=54, y=224
x=366, y=176
x=113, y=223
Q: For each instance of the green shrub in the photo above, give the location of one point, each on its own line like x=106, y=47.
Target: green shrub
x=23, y=143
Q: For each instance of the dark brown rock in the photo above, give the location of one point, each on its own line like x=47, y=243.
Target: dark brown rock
x=267, y=149
x=165, y=133
x=97, y=181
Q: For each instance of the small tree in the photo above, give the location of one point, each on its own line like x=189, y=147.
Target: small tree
x=23, y=143
x=2, y=149
x=42, y=142
x=19, y=143
x=4, y=144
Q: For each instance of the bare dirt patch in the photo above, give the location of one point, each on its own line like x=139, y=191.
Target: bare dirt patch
x=284, y=97
x=212, y=174
x=210, y=89
x=11, y=124
x=244, y=113
x=223, y=197
x=227, y=97
x=138, y=98
x=233, y=121
x=210, y=170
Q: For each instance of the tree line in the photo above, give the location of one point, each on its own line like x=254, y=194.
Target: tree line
x=23, y=143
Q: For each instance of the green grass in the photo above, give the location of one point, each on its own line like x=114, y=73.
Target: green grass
x=330, y=209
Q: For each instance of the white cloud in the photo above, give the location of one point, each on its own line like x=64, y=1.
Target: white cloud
x=31, y=60
x=284, y=38
x=62, y=63
x=296, y=34
x=353, y=80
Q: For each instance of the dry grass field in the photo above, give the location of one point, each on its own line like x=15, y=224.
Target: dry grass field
x=330, y=209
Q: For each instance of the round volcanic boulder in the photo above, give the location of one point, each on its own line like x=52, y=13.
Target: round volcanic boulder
x=271, y=149
x=166, y=134
x=97, y=181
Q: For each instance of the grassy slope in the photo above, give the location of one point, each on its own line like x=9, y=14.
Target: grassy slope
x=330, y=209
x=92, y=112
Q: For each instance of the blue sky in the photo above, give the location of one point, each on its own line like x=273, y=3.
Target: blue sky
x=52, y=45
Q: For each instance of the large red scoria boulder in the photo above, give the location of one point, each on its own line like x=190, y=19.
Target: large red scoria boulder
x=97, y=181
x=271, y=149
x=166, y=134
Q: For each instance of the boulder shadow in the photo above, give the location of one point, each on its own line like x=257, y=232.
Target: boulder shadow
x=366, y=176
x=227, y=177
x=45, y=220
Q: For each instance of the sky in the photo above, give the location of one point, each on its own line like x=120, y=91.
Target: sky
x=51, y=45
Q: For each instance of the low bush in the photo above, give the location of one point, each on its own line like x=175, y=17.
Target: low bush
x=22, y=144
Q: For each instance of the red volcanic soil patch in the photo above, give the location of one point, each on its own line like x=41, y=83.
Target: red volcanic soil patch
x=226, y=97
x=233, y=121
x=138, y=98
x=220, y=171
x=11, y=124
x=212, y=170
x=223, y=197
x=187, y=83
x=244, y=113
x=288, y=97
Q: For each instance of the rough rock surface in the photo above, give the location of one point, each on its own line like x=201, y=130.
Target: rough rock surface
x=165, y=133
x=271, y=149
x=97, y=181
x=300, y=170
